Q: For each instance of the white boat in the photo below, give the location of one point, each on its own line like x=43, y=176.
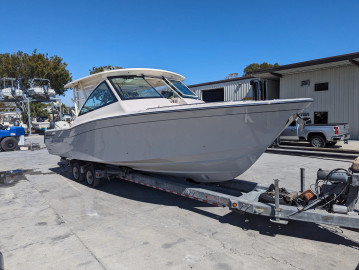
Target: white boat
x=40, y=88
x=40, y=126
x=148, y=120
x=9, y=90
x=11, y=119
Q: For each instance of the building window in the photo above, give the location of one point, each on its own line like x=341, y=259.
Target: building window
x=305, y=83
x=321, y=87
x=213, y=95
x=320, y=117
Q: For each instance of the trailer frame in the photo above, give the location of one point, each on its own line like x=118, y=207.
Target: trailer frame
x=238, y=195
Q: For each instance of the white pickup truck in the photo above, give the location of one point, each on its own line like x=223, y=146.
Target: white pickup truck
x=319, y=135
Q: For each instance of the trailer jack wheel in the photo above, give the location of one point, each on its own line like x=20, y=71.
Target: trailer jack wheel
x=90, y=177
x=76, y=172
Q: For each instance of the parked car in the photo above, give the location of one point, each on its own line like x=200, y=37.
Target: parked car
x=42, y=119
x=67, y=118
x=319, y=135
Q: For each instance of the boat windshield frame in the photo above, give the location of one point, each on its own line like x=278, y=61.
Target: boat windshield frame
x=109, y=78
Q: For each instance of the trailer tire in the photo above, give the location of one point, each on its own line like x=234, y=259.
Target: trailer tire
x=9, y=144
x=266, y=198
x=90, y=177
x=317, y=141
x=76, y=172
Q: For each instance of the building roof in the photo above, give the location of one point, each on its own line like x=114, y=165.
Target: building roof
x=339, y=60
x=222, y=81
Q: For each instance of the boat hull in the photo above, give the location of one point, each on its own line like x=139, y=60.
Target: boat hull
x=206, y=144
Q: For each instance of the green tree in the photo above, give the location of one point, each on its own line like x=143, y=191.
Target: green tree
x=255, y=66
x=38, y=110
x=102, y=68
x=25, y=66
x=232, y=75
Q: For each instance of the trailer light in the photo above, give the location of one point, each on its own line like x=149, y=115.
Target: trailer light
x=234, y=204
x=336, y=130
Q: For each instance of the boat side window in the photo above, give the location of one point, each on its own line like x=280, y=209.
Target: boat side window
x=100, y=97
x=134, y=88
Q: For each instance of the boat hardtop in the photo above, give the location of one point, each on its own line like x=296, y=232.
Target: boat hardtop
x=92, y=79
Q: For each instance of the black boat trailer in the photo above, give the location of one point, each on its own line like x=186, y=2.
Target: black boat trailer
x=332, y=201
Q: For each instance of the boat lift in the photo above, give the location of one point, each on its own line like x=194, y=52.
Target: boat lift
x=333, y=201
x=40, y=91
x=9, y=90
x=25, y=105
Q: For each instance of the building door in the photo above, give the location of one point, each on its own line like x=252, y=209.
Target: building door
x=213, y=95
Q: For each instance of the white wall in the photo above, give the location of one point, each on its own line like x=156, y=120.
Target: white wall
x=341, y=101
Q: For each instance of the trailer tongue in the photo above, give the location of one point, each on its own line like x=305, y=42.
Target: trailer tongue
x=331, y=202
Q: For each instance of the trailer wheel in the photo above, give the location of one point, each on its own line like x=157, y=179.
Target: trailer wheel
x=76, y=172
x=266, y=198
x=9, y=144
x=90, y=177
x=317, y=141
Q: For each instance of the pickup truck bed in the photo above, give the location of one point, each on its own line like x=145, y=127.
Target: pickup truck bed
x=319, y=135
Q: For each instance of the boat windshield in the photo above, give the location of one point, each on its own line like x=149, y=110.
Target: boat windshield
x=162, y=87
x=150, y=87
x=183, y=89
x=134, y=88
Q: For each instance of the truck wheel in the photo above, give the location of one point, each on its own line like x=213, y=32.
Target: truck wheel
x=317, y=141
x=90, y=177
x=9, y=144
x=76, y=172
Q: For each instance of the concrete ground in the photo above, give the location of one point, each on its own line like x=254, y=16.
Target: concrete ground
x=37, y=140
x=49, y=221
x=351, y=145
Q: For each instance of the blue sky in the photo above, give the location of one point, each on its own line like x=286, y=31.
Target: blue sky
x=202, y=40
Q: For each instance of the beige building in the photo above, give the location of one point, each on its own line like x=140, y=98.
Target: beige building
x=332, y=82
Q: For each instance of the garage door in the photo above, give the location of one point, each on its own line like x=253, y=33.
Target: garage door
x=213, y=95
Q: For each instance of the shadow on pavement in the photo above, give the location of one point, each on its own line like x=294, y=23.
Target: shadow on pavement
x=247, y=222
